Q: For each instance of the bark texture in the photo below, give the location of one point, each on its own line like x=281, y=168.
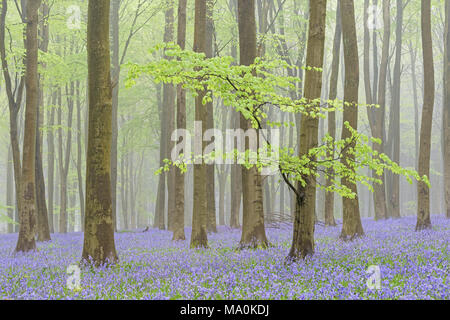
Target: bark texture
x=253, y=231
x=351, y=224
x=27, y=207
x=99, y=247
x=304, y=223
x=423, y=192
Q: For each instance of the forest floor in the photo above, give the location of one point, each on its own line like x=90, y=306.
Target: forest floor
x=413, y=266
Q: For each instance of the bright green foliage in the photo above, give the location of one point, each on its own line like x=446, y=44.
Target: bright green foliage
x=248, y=89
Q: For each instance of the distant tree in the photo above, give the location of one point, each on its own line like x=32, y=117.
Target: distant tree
x=329, y=196
x=99, y=244
x=393, y=148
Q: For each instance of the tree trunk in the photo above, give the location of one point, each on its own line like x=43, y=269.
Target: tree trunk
x=14, y=103
x=161, y=193
x=253, y=231
x=27, y=208
x=99, y=247
x=210, y=168
x=423, y=192
x=51, y=162
x=10, y=190
x=169, y=105
x=115, y=7
x=329, y=196
x=394, y=123
x=351, y=227
x=446, y=111
x=79, y=157
x=379, y=115
x=43, y=230
x=304, y=223
x=178, y=222
x=236, y=170
x=199, y=214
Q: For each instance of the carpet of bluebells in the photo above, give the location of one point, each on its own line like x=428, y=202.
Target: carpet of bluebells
x=414, y=265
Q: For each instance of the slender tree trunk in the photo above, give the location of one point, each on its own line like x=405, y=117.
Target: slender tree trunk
x=446, y=111
x=178, y=227
x=394, y=123
x=352, y=226
x=123, y=183
x=200, y=213
x=115, y=7
x=169, y=104
x=10, y=190
x=210, y=168
x=27, y=208
x=423, y=192
x=43, y=230
x=99, y=229
x=379, y=116
x=51, y=162
x=304, y=223
x=14, y=103
x=236, y=170
x=329, y=196
x=253, y=231
x=161, y=193
x=79, y=157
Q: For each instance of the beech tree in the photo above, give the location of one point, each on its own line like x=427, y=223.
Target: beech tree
x=351, y=222
x=423, y=191
x=253, y=231
x=27, y=207
x=446, y=110
x=304, y=223
x=329, y=196
x=99, y=247
x=178, y=228
x=199, y=237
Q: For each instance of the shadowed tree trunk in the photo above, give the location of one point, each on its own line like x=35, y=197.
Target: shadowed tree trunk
x=423, y=192
x=178, y=222
x=99, y=229
x=199, y=216
x=253, y=231
x=329, y=196
x=351, y=224
x=27, y=207
x=304, y=223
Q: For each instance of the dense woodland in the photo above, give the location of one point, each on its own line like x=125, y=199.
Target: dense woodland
x=92, y=91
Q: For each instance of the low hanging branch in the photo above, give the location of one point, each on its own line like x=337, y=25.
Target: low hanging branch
x=248, y=89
